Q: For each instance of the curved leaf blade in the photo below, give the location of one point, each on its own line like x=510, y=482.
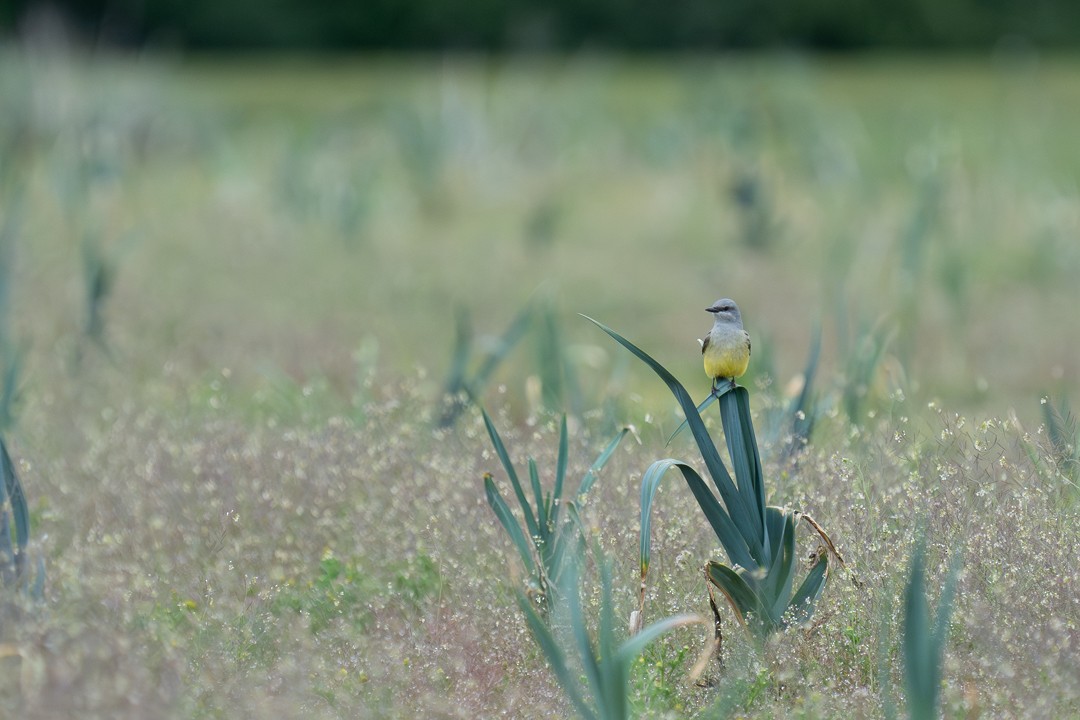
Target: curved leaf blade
x=601, y=460
x=504, y=457
x=509, y=523
x=633, y=647
x=560, y=474
x=554, y=655
x=723, y=526
x=802, y=603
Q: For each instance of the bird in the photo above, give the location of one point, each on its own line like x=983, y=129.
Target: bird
x=726, y=349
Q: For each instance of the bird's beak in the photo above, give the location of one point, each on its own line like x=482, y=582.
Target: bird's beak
x=712, y=309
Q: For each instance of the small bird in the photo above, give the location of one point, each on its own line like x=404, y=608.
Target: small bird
x=726, y=349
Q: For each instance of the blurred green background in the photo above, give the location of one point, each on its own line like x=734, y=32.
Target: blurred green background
x=246, y=248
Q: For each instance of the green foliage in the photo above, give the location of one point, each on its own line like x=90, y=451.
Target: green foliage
x=14, y=526
x=790, y=423
x=862, y=355
x=416, y=579
x=805, y=410
x=461, y=387
x=1064, y=440
x=924, y=640
x=340, y=589
x=557, y=378
x=758, y=539
x=552, y=540
x=99, y=274
x=604, y=662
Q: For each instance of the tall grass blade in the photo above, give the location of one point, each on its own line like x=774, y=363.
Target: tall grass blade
x=509, y=523
x=700, y=408
x=576, y=617
x=506, y=342
x=614, y=674
x=9, y=392
x=541, y=506
x=19, y=510
x=590, y=476
x=560, y=473
x=459, y=359
x=944, y=611
x=458, y=382
x=549, y=646
x=504, y=457
x=918, y=670
x=804, y=415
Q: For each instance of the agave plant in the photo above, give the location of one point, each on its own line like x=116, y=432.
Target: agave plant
x=552, y=538
x=759, y=539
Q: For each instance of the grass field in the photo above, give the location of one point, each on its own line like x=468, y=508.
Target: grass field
x=235, y=288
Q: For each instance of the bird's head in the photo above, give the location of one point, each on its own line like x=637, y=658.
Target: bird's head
x=725, y=310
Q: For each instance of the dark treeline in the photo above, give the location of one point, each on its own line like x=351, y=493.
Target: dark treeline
x=563, y=24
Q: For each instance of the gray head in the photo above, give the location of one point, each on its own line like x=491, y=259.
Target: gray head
x=726, y=311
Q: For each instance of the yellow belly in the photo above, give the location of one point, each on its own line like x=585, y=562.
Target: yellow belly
x=727, y=358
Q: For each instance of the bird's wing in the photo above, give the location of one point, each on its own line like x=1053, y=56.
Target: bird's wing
x=705, y=343
x=749, y=346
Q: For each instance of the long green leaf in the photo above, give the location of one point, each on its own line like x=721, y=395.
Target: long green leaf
x=747, y=466
x=633, y=647
x=750, y=441
x=459, y=360
x=541, y=506
x=944, y=611
x=736, y=507
x=20, y=512
x=550, y=647
x=918, y=664
x=590, y=665
x=776, y=588
x=504, y=457
x=509, y=523
x=560, y=474
x=802, y=603
x=569, y=538
x=709, y=400
x=615, y=679
x=726, y=531
x=506, y=343
x=803, y=415
x=590, y=477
